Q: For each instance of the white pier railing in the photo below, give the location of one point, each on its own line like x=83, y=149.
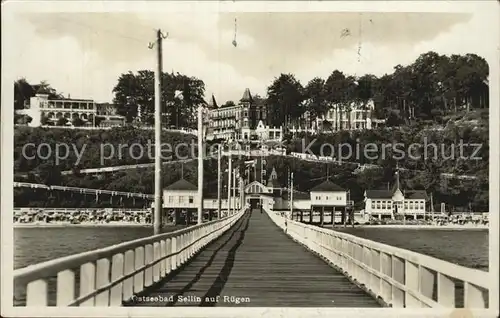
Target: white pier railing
x=111, y=275
x=401, y=278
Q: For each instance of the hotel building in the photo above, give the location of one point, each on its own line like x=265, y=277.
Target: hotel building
x=41, y=106
x=382, y=204
x=246, y=121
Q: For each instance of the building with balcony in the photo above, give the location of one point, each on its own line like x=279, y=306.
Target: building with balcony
x=246, y=121
x=107, y=116
x=388, y=204
x=357, y=115
x=42, y=109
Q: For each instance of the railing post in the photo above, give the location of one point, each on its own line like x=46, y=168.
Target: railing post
x=117, y=266
x=175, y=258
x=474, y=296
x=65, y=287
x=128, y=284
x=102, y=279
x=156, y=266
x=412, y=282
x=139, y=262
x=148, y=272
x=163, y=254
x=36, y=293
x=168, y=260
x=87, y=282
x=375, y=278
x=386, y=270
x=367, y=261
x=426, y=282
x=398, y=274
x=446, y=291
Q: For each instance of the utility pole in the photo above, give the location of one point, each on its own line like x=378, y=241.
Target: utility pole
x=219, y=202
x=432, y=208
x=229, y=186
x=291, y=196
x=234, y=191
x=255, y=170
x=242, y=192
x=200, y=164
x=158, y=180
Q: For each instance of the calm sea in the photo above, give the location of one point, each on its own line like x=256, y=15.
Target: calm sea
x=463, y=247
x=36, y=245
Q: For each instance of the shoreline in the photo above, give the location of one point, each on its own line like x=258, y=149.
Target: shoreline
x=67, y=224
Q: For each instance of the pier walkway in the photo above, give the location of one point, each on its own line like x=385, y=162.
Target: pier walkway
x=256, y=264
x=254, y=259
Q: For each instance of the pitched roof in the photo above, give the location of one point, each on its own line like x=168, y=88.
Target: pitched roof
x=327, y=186
x=181, y=185
x=379, y=194
x=247, y=97
x=212, y=104
x=416, y=195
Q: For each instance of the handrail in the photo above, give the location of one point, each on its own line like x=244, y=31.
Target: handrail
x=146, y=259
x=401, y=278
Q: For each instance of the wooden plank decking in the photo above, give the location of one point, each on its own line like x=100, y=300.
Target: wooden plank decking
x=256, y=264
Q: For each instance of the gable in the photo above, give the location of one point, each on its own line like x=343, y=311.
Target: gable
x=256, y=187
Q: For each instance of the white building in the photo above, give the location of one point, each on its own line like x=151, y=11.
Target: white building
x=357, y=115
x=182, y=196
x=389, y=203
x=242, y=122
x=53, y=109
x=107, y=115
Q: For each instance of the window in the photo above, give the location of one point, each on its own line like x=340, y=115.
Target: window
x=170, y=199
x=411, y=205
x=326, y=198
x=373, y=205
x=406, y=205
x=339, y=198
x=191, y=199
x=181, y=199
x=422, y=205
x=378, y=205
x=318, y=197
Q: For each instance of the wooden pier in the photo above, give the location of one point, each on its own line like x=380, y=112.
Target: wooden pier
x=257, y=264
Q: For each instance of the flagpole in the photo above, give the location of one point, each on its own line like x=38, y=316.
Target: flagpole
x=229, y=186
x=200, y=164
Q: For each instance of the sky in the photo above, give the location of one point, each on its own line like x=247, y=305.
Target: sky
x=82, y=54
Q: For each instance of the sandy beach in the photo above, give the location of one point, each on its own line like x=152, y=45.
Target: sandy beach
x=83, y=224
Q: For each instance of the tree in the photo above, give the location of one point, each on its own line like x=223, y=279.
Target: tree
x=134, y=93
x=285, y=96
x=316, y=98
x=48, y=173
x=336, y=87
x=23, y=91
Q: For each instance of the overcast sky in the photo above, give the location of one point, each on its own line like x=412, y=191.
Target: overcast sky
x=83, y=54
